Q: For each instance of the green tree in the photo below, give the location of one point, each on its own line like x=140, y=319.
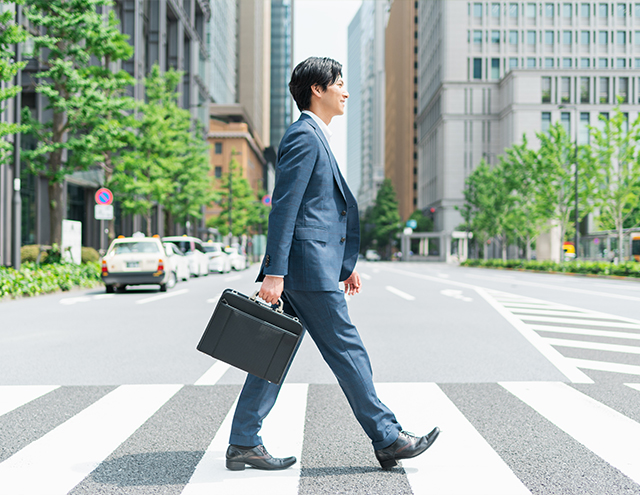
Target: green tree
x=386, y=218
x=425, y=224
x=10, y=34
x=616, y=152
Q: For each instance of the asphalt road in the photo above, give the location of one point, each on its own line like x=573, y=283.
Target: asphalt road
x=534, y=380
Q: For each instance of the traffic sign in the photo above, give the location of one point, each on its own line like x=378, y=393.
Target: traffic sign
x=266, y=200
x=104, y=196
x=412, y=223
x=103, y=212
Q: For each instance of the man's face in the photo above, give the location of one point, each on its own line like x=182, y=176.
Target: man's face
x=334, y=98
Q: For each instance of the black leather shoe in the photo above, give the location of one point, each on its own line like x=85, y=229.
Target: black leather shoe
x=405, y=447
x=257, y=457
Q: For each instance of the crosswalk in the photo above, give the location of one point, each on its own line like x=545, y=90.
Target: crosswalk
x=74, y=455
x=566, y=328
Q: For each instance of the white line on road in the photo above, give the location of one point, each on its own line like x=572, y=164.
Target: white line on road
x=398, y=292
x=283, y=433
x=596, y=426
x=365, y=276
x=456, y=294
x=232, y=278
x=557, y=359
x=162, y=296
x=581, y=321
x=73, y=300
x=213, y=374
x=628, y=369
x=598, y=346
x=14, y=396
x=587, y=331
x=460, y=448
x=635, y=386
x=67, y=454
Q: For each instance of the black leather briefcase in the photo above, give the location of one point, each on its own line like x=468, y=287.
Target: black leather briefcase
x=251, y=336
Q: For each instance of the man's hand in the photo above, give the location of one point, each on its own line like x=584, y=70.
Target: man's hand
x=271, y=289
x=352, y=284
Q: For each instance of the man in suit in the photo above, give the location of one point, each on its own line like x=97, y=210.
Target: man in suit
x=312, y=245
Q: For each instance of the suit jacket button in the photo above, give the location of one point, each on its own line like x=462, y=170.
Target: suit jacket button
x=343, y=213
x=342, y=239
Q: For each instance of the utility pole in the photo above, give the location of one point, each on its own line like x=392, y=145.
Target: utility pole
x=16, y=231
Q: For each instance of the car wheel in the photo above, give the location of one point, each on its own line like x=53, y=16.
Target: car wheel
x=109, y=289
x=173, y=280
x=121, y=288
x=163, y=287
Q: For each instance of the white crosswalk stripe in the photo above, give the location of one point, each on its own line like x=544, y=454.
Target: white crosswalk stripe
x=461, y=462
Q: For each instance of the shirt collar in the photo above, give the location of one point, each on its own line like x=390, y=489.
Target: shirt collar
x=325, y=128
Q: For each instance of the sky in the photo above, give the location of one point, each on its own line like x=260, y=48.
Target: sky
x=320, y=30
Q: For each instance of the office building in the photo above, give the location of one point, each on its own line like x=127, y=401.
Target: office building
x=281, y=60
x=223, y=47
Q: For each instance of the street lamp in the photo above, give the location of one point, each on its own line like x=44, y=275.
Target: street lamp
x=577, y=221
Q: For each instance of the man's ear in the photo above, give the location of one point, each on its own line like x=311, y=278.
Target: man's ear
x=316, y=90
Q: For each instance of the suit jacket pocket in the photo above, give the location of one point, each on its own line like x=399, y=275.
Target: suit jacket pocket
x=311, y=234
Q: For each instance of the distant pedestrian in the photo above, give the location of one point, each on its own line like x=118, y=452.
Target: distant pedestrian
x=312, y=245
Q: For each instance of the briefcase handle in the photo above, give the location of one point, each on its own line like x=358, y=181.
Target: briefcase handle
x=254, y=297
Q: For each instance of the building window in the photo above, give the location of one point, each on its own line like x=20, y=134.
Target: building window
x=603, y=37
x=603, y=63
x=566, y=63
x=513, y=63
x=583, y=128
x=477, y=10
x=513, y=10
x=636, y=10
x=546, y=122
x=585, y=63
x=566, y=37
x=549, y=10
x=513, y=37
x=621, y=63
x=495, y=37
x=603, y=10
x=548, y=37
x=495, y=10
x=585, y=38
x=604, y=90
x=218, y=148
x=621, y=10
x=567, y=10
x=621, y=37
x=531, y=38
x=531, y=11
x=584, y=89
x=477, y=38
x=565, y=121
x=623, y=89
x=565, y=90
x=585, y=10
x=531, y=62
x=495, y=68
x=636, y=37
x=218, y=172
x=548, y=62
x=477, y=68
x=546, y=90
x=637, y=63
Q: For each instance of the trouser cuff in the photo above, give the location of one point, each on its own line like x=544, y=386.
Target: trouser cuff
x=245, y=441
x=391, y=437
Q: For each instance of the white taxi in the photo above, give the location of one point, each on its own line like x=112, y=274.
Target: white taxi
x=137, y=260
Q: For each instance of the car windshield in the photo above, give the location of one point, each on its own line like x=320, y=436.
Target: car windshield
x=135, y=247
x=211, y=248
x=183, y=246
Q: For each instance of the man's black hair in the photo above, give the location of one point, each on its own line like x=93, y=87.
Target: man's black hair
x=315, y=70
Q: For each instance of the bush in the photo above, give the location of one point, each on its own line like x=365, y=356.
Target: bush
x=89, y=254
x=32, y=279
x=627, y=269
x=30, y=253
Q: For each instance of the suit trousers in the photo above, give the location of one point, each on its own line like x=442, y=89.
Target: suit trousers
x=325, y=317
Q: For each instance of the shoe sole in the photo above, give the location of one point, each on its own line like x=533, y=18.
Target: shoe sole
x=390, y=463
x=240, y=466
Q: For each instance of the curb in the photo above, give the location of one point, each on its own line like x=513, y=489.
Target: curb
x=571, y=274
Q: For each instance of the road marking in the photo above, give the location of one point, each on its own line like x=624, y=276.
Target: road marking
x=596, y=426
x=548, y=312
x=398, y=292
x=213, y=374
x=558, y=360
x=628, y=369
x=14, y=396
x=598, y=346
x=283, y=434
x=586, y=331
x=633, y=385
x=73, y=300
x=581, y=321
x=69, y=453
x=456, y=294
x=162, y=296
x=232, y=278
x=104, y=296
x=460, y=448
x=365, y=276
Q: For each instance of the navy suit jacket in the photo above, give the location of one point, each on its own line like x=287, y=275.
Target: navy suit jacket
x=314, y=227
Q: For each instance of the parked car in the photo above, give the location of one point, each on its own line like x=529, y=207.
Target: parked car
x=178, y=260
x=137, y=261
x=238, y=259
x=219, y=261
x=193, y=249
x=372, y=255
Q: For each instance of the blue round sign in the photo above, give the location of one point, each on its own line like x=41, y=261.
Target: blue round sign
x=266, y=199
x=412, y=224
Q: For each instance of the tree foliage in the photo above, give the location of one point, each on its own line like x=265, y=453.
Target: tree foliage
x=385, y=218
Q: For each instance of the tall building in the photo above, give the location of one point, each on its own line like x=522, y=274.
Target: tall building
x=354, y=106
x=366, y=47
x=401, y=150
x=491, y=71
x=281, y=60
x=223, y=47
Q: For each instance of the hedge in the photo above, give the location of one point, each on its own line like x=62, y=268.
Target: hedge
x=32, y=279
x=627, y=269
